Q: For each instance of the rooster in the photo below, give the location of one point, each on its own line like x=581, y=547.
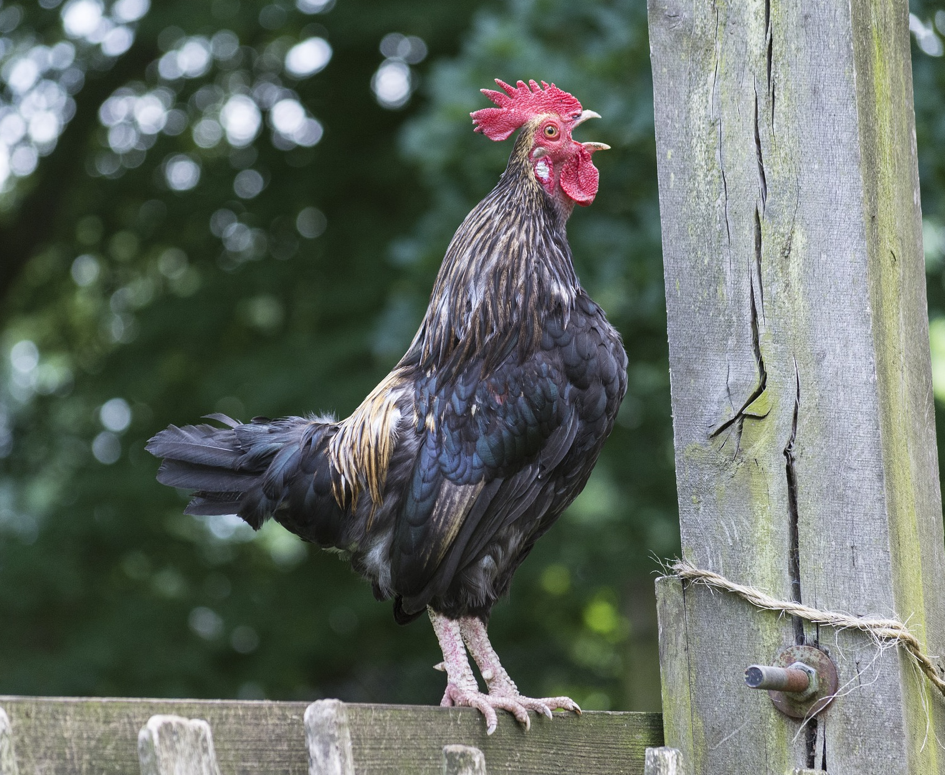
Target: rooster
x=439, y=484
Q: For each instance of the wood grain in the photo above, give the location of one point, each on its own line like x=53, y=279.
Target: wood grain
x=803, y=417
x=77, y=736
x=394, y=739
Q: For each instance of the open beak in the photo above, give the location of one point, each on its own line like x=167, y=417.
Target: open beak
x=591, y=147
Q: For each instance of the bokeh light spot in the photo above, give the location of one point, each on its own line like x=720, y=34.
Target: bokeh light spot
x=207, y=133
x=248, y=184
x=410, y=49
x=106, y=447
x=181, y=172
x=24, y=356
x=314, y=6
x=117, y=41
x=241, y=120
x=206, y=623
x=244, y=639
x=115, y=415
x=308, y=57
x=128, y=11
x=82, y=18
x=85, y=270
x=391, y=84
x=311, y=222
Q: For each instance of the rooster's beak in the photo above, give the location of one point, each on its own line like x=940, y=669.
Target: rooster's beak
x=585, y=115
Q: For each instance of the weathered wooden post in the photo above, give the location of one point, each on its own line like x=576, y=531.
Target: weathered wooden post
x=804, y=433
x=463, y=760
x=328, y=737
x=7, y=757
x=171, y=745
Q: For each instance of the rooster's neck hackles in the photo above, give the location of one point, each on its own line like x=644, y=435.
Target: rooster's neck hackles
x=507, y=268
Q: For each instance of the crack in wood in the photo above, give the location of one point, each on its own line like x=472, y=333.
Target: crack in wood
x=794, y=555
x=728, y=226
x=769, y=57
x=757, y=296
x=770, y=44
x=811, y=742
x=691, y=682
x=761, y=287
x=794, y=562
x=756, y=334
x=747, y=409
x=715, y=104
x=759, y=155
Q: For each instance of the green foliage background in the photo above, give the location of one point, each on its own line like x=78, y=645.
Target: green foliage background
x=105, y=587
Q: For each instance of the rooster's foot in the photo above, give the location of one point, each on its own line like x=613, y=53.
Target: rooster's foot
x=516, y=704
x=455, y=636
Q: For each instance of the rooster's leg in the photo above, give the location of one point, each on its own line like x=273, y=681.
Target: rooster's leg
x=497, y=679
x=461, y=687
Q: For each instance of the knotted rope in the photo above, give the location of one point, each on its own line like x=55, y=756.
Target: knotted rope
x=889, y=630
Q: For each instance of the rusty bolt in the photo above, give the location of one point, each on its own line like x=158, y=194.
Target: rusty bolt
x=801, y=683
x=798, y=679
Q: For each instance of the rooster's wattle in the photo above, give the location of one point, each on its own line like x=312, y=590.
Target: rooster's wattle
x=441, y=481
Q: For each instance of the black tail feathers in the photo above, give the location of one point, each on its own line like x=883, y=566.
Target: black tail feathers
x=256, y=470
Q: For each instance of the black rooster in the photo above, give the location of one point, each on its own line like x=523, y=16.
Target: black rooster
x=441, y=481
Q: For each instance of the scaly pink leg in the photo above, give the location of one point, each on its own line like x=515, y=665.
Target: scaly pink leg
x=497, y=679
x=461, y=687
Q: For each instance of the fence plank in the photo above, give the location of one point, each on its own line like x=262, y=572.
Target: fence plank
x=392, y=739
x=7, y=757
x=70, y=736
x=804, y=432
x=463, y=760
x=171, y=745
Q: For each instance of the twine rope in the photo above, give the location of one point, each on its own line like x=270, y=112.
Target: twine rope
x=889, y=630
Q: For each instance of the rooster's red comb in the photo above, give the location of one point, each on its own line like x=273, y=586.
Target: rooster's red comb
x=520, y=103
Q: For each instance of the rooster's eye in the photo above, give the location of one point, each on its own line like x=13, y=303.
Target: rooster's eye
x=551, y=131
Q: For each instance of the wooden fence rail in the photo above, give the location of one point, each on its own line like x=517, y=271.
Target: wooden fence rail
x=75, y=736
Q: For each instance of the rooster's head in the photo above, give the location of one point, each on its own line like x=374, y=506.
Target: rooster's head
x=559, y=163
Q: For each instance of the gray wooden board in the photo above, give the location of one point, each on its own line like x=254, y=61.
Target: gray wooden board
x=78, y=736
x=392, y=739
x=800, y=369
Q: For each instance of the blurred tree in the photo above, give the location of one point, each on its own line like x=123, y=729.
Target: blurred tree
x=240, y=206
